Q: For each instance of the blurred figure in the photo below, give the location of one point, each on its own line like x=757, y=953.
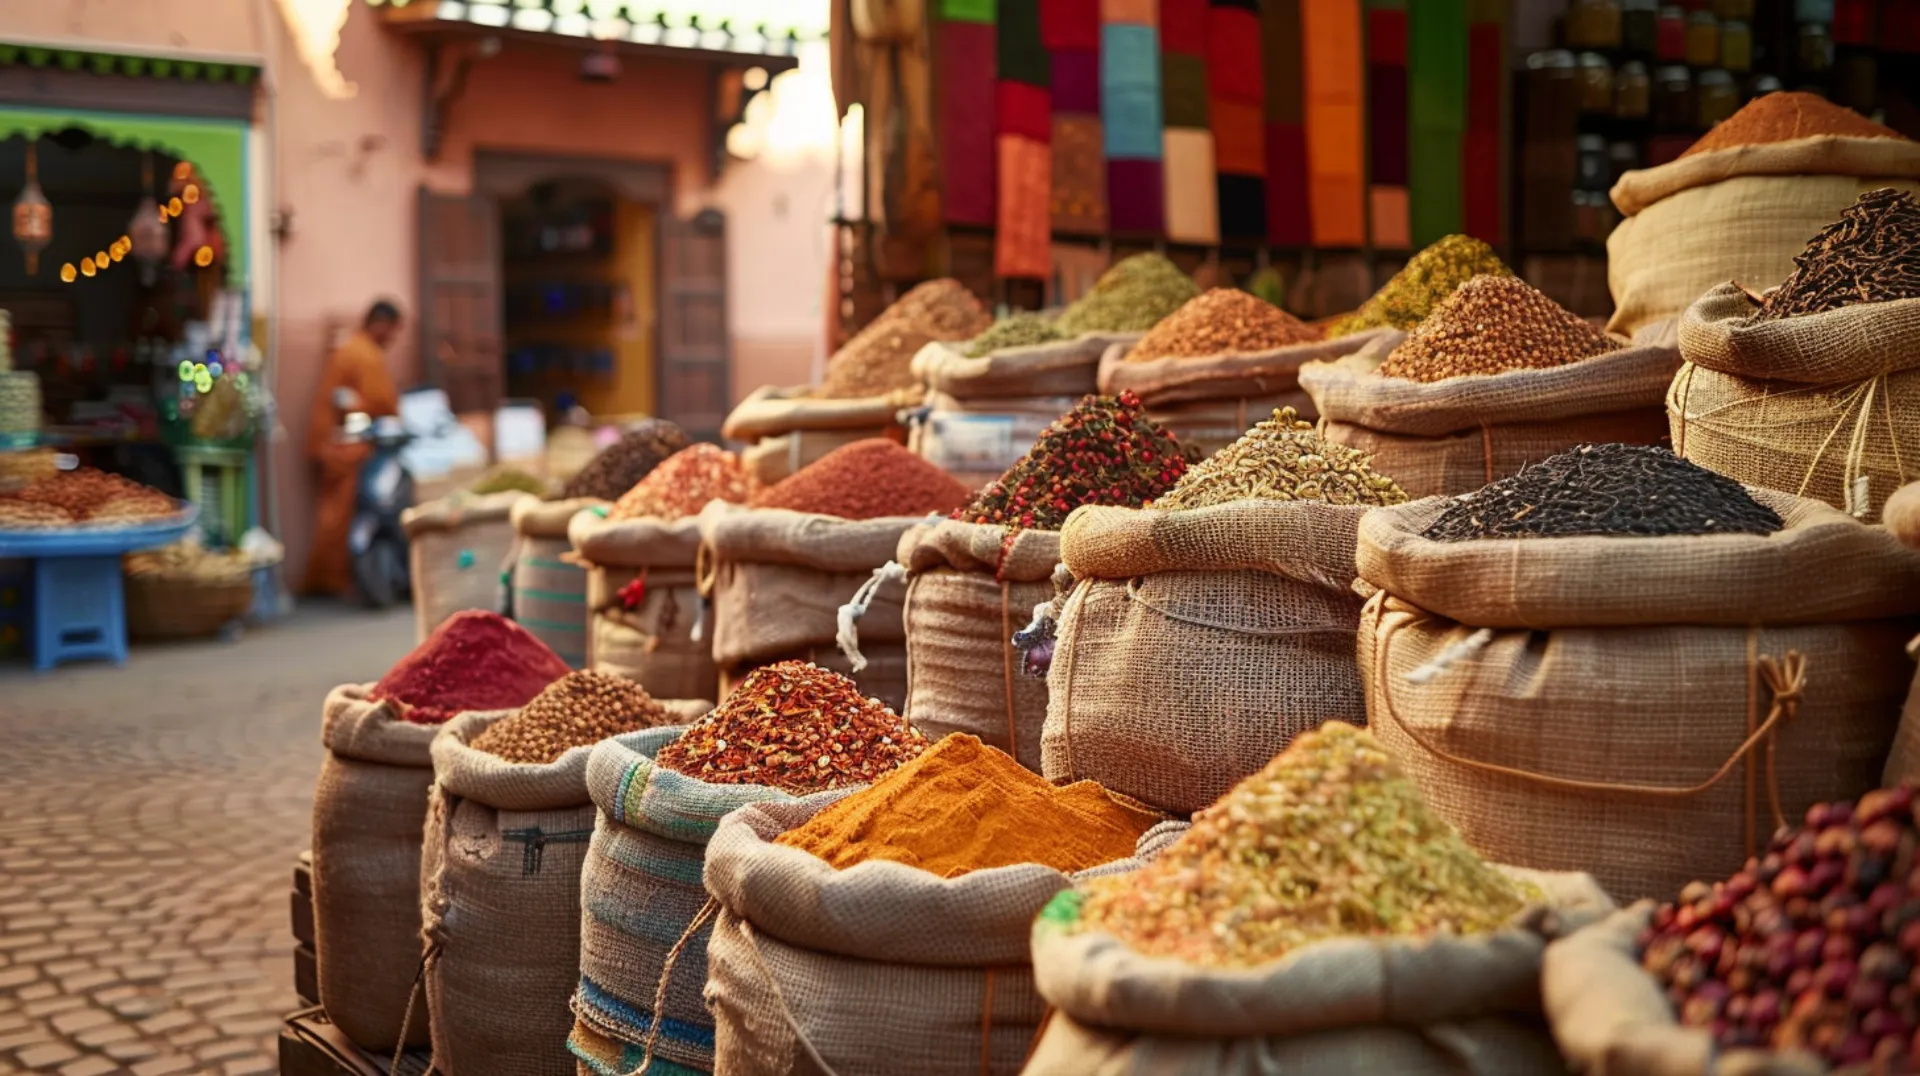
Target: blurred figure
x=355, y=379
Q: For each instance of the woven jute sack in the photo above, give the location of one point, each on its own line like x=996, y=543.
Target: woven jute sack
x=968, y=591
x=369, y=810
x=1062, y=368
x=1196, y=644
x=1647, y=709
x=650, y=641
x=788, y=428
x=1456, y=435
x=1611, y=1018
x=1198, y=398
x=1823, y=405
x=549, y=589
x=643, y=934
x=456, y=545
x=500, y=901
x=1736, y=214
x=1447, y=1005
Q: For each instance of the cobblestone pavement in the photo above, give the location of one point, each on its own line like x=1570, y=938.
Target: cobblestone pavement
x=149, y=821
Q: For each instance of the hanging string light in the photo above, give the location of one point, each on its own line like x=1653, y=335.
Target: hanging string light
x=32, y=213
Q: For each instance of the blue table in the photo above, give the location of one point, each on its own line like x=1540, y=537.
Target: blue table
x=79, y=606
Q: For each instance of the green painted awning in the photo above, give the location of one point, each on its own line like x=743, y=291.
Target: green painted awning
x=116, y=63
x=216, y=148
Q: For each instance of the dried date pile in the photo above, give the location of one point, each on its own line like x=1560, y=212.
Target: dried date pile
x=1491, y=325
x=878, y=360
x=1283, y=459
x=1639, y=490
x=1104, y=451
x=684, y=484
x=578, y=710
x=1224, y=321
x=1870, y=255
x=1429, y=276
x=626, y=461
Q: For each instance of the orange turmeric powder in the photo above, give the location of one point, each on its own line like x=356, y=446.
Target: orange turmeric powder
x=963, y=806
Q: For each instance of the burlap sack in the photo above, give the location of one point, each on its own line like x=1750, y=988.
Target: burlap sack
x=1180, y=380
x=500, y=902
x=368, y=813
x=788, y=428
x=1824, y=406
x=1736, y=214
x=967, y=593
x=455, y=546
x=1901, y=515
x=1196, y=644
x=641, y=905
x=1064, y=368
x=549, y=590
x=651, y=642
x=1613, y=1019
x=1456, y=435
x=1445, y=1005
x=1646, y=709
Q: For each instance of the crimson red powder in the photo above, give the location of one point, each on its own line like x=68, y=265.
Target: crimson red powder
x=472, y=661
x=867, y=480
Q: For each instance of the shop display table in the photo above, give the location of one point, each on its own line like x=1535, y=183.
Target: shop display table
x=79, y=607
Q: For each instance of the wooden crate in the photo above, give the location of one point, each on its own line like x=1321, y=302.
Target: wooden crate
x=311, y=1046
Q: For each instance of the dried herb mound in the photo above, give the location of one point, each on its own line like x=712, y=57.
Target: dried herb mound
x=1640, y=490
x=1329, y=840
x=796, y=727
x=507, y=480
x=1490, y=326
x=578, y=710
x=1104, y=451
x=878, y=360
x=1283, y=459
x=1429, y=276
x=1224, y=321
x=473, y=661
x=1870, y=255
x=1014, y=330
x=683, y=484
x=1131, y=296
x=1783, y=117
x=1810, y=947
x=626, y=461
x=870, y=479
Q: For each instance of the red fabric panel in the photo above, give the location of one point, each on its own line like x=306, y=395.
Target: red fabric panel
x=1233, y=56
x=968, y=59
x=1023, y=233
x=1183, y=26
x=1070, y=24
x=1288, y=221
x=1024, y=110
x=1387, y=36
x=1239, y=138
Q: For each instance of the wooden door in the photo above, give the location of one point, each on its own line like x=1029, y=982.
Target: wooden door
x=695, y=356
x=460, y=310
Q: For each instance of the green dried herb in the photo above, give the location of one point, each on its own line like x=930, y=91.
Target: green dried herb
x=1430, y=276
x=1016, y=330
x=1131, y=296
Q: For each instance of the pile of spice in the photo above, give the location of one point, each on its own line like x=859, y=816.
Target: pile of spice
x=1283, y=459
x=1329, y=840
x=1492, y=325
x=1429, y=276
x=871, y=479
x=621, y=464
x=963, y=806
x=1870, y=255
x=1104, y=451
x=684, y=484
x=1224, y=321
x=508, y=480
x=878, y=360
x=473, y=661
x=1639, y=490
x=1783, y=117
x=1810, y=947
x=796, y=727
x=85, y=495
x=1131, y=296
x=578, y=710
x=1014, y=330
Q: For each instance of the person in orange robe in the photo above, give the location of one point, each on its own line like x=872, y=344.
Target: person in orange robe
x=360, y=365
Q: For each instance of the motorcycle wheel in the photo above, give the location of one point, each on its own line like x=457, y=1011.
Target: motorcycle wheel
x=380, y=574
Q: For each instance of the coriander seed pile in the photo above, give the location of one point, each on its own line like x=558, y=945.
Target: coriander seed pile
x=1492, y=325
x=878, y=360
x=578, y=710
x=1283, y=459
x=1224, y=321
x=1429, y=276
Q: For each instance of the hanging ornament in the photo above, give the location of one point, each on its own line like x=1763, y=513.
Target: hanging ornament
x=33, y=214
x=147, y=231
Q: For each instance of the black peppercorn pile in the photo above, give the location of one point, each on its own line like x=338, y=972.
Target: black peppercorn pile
x=1105, y=451
x=622, y=464
x=1870, y=255
x=577, y=710
x=1606, y=490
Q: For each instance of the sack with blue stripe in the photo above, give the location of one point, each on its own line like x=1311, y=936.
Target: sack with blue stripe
x=549, y=588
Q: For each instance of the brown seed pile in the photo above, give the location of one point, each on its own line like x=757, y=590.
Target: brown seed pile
x=1870, y=255
x=1490, y=326
x=1283, y=459
x=1429, y=276
x=87, y=495
x=1783, y=117
x=578, y=710
x=626, y=461
x=879, y=358
x=1224, y=321
x=684, y=484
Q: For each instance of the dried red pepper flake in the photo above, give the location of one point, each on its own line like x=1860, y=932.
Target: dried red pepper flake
x=869, y=479
x=684, y=484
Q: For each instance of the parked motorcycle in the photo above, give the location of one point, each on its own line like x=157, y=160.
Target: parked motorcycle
x=376, y=543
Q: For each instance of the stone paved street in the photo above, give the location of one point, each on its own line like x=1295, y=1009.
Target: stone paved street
x=149, y=821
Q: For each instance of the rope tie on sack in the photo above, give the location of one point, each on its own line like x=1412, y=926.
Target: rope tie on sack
x=780, y=996
x=700, y=920
x=406, y=1022
x=847, y=629
x=706, y=575
x=1006, y=677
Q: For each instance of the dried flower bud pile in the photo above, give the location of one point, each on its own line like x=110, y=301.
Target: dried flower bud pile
x=1640, y=490
x=1224, y=321
x=1283, y=459
x=578, y=710
x=1104, y=451
x=1492, y=325
x=626, y=461
x=1329, y=840
x=1131, y=296
x=1814, y=946
x=1014, y=330
x=796, y=727
x=1870, y=255
x=507, y=480
x=1429, y=276
x=869, y=479
x=472, y=661
x=684, y=484
x=878, y=360
x=83, y=496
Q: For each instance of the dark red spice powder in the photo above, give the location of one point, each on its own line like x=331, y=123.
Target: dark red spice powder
x=472, y=661
x=867, y=479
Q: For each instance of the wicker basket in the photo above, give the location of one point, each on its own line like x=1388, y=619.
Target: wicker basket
x=161, y=606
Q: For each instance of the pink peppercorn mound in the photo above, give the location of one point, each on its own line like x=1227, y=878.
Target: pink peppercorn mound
x=869, y=479
x=1104, y=451
x=472, y=661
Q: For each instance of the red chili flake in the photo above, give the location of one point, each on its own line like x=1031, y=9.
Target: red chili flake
x=684, y=484
x=866, y=480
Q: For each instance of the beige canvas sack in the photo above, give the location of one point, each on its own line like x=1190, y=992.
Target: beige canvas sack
x=1061, y=368
x=456, y=545
x=787, y=428
x=651, y=643
x=549, y=589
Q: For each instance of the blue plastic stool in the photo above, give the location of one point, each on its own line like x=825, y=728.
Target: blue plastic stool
x=79, y=610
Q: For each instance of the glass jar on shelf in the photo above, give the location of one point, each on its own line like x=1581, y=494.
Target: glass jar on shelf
x=1716, y=97
x=1593, y=24
x=1820, y=11
x=1703, y=39
x=1596, y=84
x=1670, y=34
x=1673, y=98
x=1638, y=25
x=1736, y=46
x=1632, y=91
x=1816, y=48
x=1733, y=10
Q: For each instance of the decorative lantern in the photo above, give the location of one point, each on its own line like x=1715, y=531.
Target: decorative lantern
x=147, y=232
x=33, y=214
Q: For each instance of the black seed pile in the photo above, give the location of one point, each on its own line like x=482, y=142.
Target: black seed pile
x=1637, y=490
x=622, y=464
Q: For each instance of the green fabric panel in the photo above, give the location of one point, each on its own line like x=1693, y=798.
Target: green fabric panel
x=216, y=148
x=1183, y=90
x=1436, y=117
x=970, y=10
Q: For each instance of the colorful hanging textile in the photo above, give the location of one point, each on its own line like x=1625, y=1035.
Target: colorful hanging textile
x=1387, y=123
x=967, y=63
x=1076, y=80
x=1183, y=89
x=1234, y=67
x=1436, y=116
x=1132, y=12
x=1193, y=212
x=1130, y=91
x=1024, y=110
x=1183, y=26
x=1022, y=55
x=1079, y=188
x=980, y=11
x=1289, y=223
x=1483, y=173
x=1070, y=24
x=1023, y=241
x=1335, y=121
x=1136, y=200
